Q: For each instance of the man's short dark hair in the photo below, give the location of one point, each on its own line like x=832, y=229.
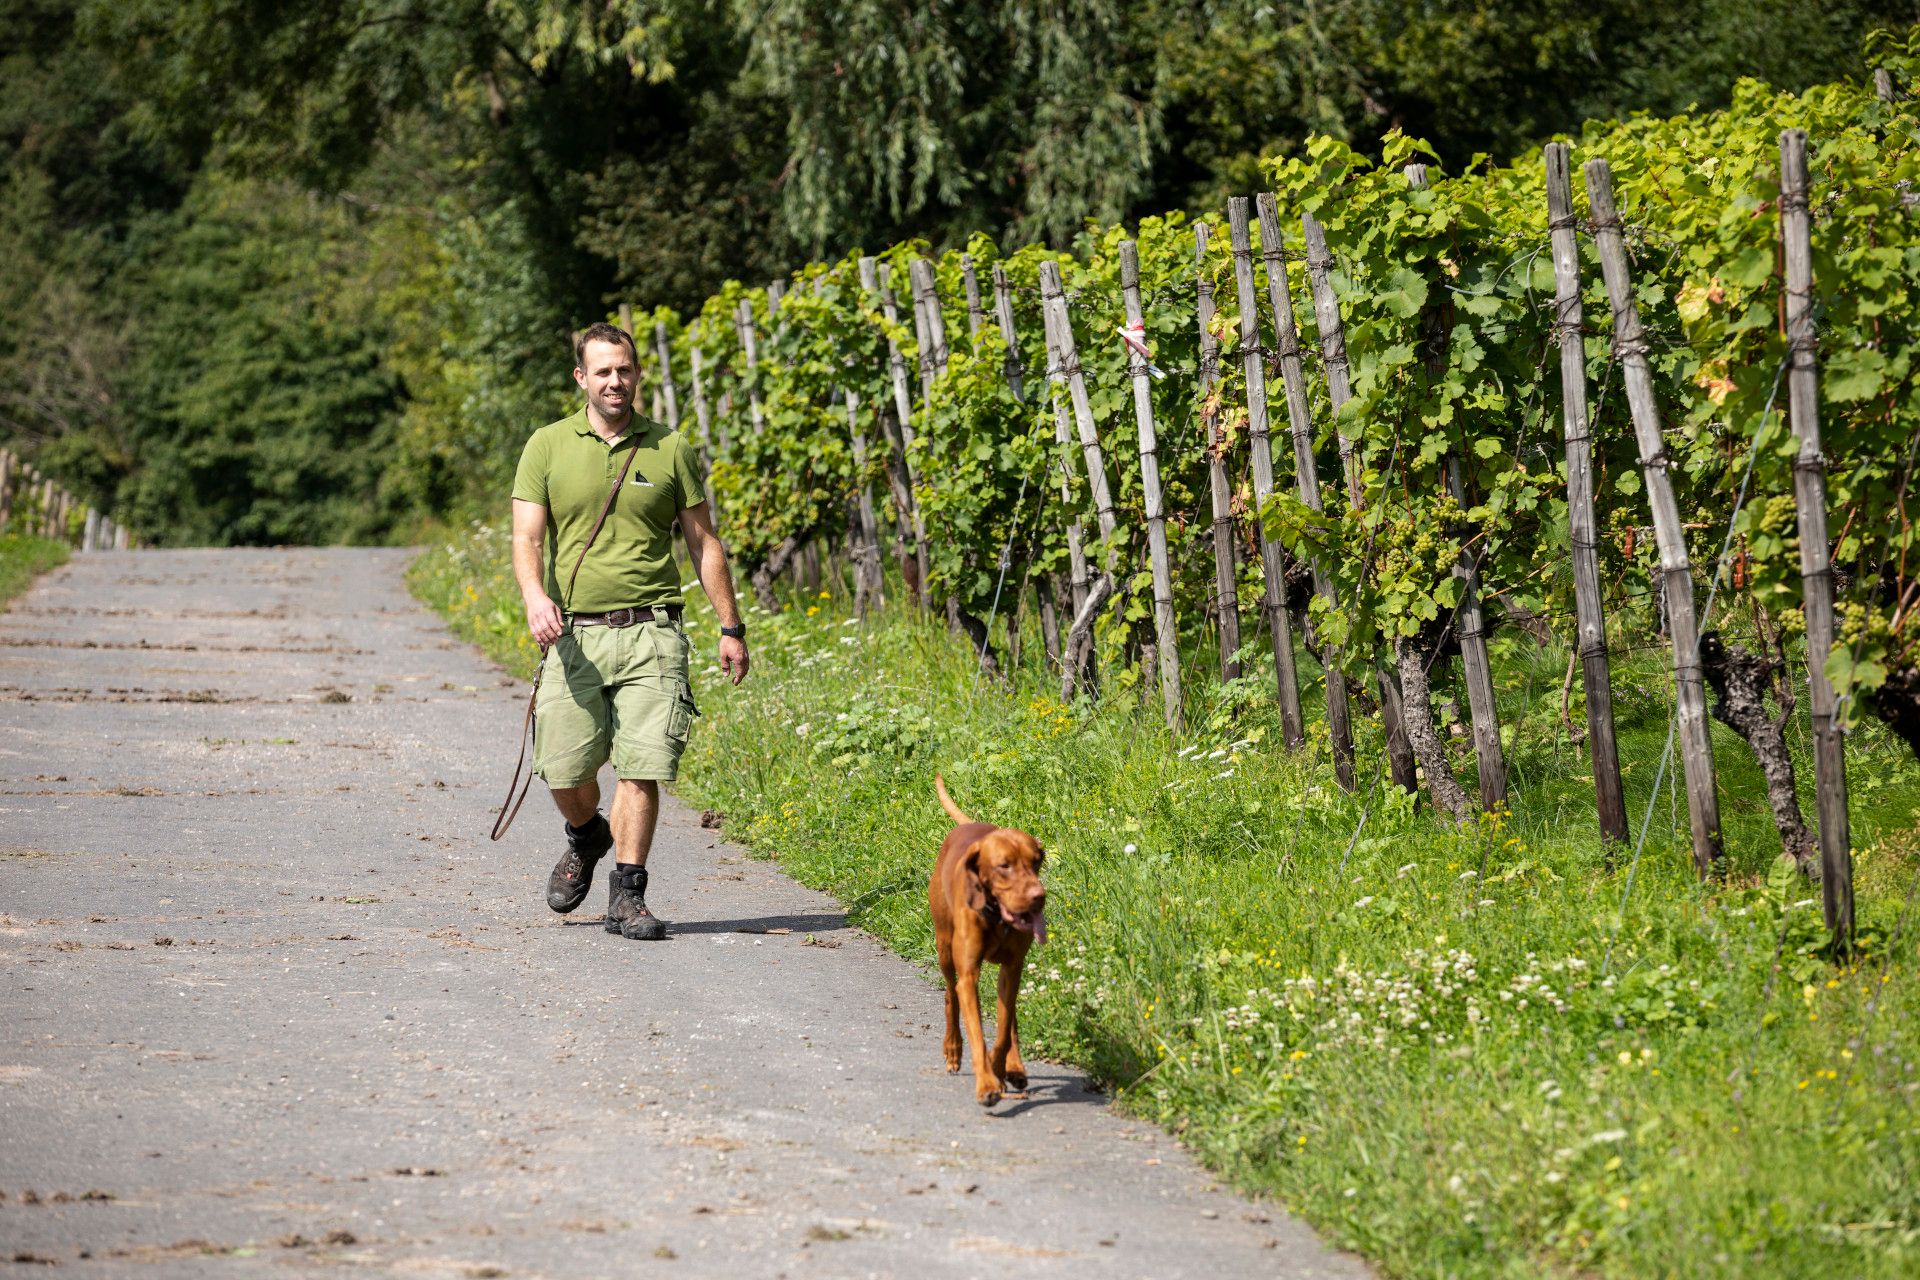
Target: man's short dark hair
x=602, y=332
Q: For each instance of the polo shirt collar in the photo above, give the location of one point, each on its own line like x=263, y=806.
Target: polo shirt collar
x=582, y=426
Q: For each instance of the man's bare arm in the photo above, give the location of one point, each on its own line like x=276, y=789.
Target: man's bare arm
x=529, y=530
x=709, y=557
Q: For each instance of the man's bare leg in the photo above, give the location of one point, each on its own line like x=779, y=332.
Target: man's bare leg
x=587, y=841
x=635, y=812
x=578, y=804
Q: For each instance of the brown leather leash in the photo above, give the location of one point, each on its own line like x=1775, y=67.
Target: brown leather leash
x=504, y=818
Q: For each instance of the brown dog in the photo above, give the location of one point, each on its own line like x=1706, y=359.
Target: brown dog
x=988, y=907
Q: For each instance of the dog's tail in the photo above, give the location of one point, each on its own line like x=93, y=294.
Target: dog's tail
x=946, y=802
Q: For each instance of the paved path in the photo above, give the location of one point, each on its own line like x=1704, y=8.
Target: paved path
x=273, y=1004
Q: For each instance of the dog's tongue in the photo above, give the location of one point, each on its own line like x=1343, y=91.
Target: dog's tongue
x=1033, y=922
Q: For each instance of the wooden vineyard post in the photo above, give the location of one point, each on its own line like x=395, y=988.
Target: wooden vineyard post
x=1003, y=312
x=1078, y=587
x=6, y=487
x=749, y=345
x=1469, y=625
x=873, y=279
x=976, y=319
x=868, y=581
x=1630, y=345
x=926, y=297
x=90, y=533
x=667, y=391
x=122, y=538
x=1272, y=557
x=1883, y=84
x=1016, y=382
x=1333, y=360
x=1054, y=299
x=1064, y=367
x=1582, y=528
x=1226, y=591
x=1286, y=331
x=1166, y=635
x=929, y=327
x=1816, y=569
x=702, y=414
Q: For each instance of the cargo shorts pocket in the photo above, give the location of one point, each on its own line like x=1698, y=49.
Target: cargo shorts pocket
x=680, y=722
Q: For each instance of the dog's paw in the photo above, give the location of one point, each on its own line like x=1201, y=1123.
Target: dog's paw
x=988, y=1097
x=1015, y=1080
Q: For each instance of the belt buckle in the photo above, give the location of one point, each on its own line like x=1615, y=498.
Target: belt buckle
x=620, y=617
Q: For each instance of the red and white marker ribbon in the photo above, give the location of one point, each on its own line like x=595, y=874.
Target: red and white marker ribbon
x=1135, y=336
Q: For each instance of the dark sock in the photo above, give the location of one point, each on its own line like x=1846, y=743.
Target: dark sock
x=591, y=823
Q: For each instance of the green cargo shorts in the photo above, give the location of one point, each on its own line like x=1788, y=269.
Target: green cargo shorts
x=619, y=692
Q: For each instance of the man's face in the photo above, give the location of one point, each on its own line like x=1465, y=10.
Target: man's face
x=607, y=375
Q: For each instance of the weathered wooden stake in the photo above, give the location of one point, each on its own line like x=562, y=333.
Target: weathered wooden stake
x=750, y=345
x=1582, y=528
x=1630, y=346
x=976, y=319
x=1293, y=378
x=868, y=581
x=1054, y=299
x=1816, y=568
x=667, y=391
x=1166, y=634
x=1003, y=312
x=1226, y=589
x=701, y=413
x=1272, y=556
x=1469, y=625
x=6, y=487
x=1079, y=589
x=1333, y=360
x=874, y=280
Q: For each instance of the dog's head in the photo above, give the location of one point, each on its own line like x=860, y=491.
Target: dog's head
x=1003, y=880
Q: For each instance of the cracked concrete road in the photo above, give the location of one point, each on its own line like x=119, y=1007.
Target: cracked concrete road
x=275, y=1005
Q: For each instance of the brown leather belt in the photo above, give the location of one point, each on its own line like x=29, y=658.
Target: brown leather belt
x=626, y=617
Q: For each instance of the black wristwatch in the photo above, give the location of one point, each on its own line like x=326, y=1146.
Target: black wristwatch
x=738, y=631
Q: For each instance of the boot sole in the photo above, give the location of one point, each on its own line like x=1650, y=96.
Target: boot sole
x=655, y=932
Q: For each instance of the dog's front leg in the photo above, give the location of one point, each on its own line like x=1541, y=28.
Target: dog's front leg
x=950, y=1046
x=986, y=1083
x=1007, y=1065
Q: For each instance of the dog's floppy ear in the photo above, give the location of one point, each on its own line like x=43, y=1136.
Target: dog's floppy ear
x=970, y=876
x=1039, y=856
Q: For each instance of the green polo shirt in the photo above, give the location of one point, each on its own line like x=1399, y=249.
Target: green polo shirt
x=568, y=469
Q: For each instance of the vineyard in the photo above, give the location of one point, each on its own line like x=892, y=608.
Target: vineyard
x=1510, y=410
x=1344, y=886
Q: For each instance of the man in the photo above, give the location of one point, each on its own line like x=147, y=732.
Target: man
x=614, y=683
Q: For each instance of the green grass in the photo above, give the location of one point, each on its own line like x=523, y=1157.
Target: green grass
x=23, y=559
x=1453, y=1052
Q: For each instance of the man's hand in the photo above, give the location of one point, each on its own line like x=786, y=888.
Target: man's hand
x=544, y=620
x=733, y=658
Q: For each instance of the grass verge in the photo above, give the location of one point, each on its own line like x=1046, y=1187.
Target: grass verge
x=22, y=559
x=1482, y=1052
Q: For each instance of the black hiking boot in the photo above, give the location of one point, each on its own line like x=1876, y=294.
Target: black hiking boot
x=572, y=876
x=627, y=913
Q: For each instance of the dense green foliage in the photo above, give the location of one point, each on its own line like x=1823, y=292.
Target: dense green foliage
x=1447, y=293
x=1467, y=1053
x=443, y=191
